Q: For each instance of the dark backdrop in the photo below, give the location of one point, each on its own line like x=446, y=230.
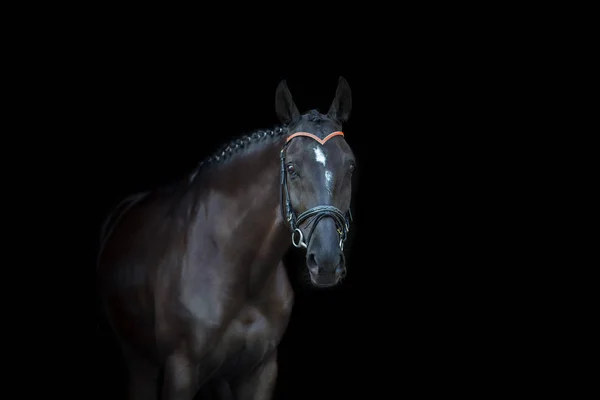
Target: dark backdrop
x=420, y=308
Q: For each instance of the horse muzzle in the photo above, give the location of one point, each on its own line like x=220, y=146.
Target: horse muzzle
x=326, y=265
x=324, y=279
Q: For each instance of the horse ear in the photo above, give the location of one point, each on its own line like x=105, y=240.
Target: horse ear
x=284, y=105
x=342, y=103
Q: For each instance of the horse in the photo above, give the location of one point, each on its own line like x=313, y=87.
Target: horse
x=191, y=276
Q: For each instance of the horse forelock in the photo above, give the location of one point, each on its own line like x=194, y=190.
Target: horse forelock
x=316, y=123
x=315, y=116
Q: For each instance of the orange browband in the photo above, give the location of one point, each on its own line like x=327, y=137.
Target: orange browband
x=310, y=135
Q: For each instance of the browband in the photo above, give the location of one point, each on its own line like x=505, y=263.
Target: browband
x=310, y=135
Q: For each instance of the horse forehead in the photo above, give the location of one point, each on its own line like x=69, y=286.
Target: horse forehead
x=328, y=155
x=319, y=155
x=329, y=150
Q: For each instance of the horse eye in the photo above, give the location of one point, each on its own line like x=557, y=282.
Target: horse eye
x=352, y=167
x=290, y=169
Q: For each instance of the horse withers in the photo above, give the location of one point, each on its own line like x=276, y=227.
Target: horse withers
x=191, y=275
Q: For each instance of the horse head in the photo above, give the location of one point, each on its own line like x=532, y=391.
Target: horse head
x=316, y=177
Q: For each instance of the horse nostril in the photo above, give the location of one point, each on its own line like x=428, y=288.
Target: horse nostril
x=325, y=264
x=311, y=260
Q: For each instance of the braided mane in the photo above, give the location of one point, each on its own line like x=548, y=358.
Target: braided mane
x=235, y=146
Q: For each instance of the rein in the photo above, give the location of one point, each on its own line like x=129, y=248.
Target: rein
x=313, y=215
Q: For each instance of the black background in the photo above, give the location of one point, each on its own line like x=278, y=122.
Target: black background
x=425, y=303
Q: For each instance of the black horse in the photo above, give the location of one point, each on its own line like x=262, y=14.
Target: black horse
x=191, y=275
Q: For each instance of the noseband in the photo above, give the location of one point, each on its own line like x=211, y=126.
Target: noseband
x=315, y=214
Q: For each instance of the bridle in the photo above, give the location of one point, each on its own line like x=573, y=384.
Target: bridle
x=315, y=214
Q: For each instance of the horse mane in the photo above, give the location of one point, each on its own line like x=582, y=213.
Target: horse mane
x=237, y=146
x=242, y=143
x=227, y=151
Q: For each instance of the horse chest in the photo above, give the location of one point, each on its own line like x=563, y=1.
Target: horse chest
x=248, y=339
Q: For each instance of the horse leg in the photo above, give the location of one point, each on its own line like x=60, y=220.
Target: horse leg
x=260, y=383
x=224, y=390
x=143, y=379
x=218, y=389
x=181, y=378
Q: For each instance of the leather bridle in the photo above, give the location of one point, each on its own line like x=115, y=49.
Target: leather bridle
x=313, y=215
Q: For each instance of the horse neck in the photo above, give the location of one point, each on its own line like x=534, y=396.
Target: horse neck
x=242, y=205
